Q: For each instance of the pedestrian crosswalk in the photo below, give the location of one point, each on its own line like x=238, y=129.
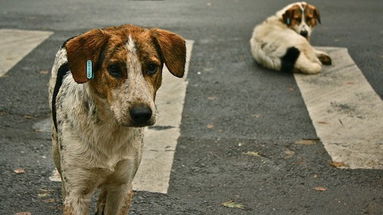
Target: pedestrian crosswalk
x=16, y=44
x=346, y=112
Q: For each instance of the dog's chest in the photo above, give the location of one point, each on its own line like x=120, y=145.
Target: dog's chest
x=102, y=149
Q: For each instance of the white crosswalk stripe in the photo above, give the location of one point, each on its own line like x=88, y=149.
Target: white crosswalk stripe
x=346, y=112
x=16, y=44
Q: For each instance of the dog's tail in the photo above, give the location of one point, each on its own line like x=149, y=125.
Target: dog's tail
x=288, y=60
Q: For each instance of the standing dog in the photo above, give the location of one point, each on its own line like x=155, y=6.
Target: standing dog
x=281, y=42
x=102, y=93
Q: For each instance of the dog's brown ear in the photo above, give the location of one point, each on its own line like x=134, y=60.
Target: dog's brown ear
x=173, y=50
x=317, y=15
x=288, y=16
x=82, y=48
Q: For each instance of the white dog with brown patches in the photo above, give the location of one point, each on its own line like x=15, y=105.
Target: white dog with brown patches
x=102, y=92
x=281, y=42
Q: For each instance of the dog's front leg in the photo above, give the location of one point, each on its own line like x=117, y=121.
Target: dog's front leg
x=75, y=205
x=119, y=185
x=324, y=58
x=101, y=202
x=305, y=65
x=79, y=185
x=118, y=199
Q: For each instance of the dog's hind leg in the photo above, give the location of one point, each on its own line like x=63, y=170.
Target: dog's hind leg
x=289, y=59
x=264, y=54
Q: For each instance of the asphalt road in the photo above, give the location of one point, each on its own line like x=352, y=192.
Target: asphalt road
x=246, y=107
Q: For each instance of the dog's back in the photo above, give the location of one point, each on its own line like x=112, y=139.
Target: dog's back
x=268, y=45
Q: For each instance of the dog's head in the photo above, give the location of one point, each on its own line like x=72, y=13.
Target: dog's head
x=127, y=62
x=301, y=17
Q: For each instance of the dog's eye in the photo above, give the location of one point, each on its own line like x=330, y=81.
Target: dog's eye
x=115, y=70
x=151, y=69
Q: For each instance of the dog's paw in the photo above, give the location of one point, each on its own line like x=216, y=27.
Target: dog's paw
x=325, y=59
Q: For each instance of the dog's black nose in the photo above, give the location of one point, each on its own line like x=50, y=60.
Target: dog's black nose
x=304, y=33
x=140, y=114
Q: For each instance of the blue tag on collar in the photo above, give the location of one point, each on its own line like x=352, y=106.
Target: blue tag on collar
x=288, y=21
x=89, y=70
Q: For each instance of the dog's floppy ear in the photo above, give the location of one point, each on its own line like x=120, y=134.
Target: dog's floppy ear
x=173, y=50
x=288, y=16
x=82, y=48
x=317, y=15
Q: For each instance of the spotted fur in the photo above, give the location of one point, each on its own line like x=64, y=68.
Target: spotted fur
x=97, y=141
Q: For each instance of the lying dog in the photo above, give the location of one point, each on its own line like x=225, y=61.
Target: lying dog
x=102, y=91
x=281, y=42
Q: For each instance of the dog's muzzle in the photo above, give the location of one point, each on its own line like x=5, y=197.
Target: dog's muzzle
x=304, y=33
x=141, y=115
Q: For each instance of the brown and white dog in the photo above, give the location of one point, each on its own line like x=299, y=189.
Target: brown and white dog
x=98, y=121
x=281, y=42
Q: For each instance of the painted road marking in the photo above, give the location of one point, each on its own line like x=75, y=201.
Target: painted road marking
x=346, y=112
x=160, y=141
x=16, y=44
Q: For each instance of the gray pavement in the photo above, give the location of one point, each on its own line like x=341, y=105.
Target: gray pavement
x=233, y=107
